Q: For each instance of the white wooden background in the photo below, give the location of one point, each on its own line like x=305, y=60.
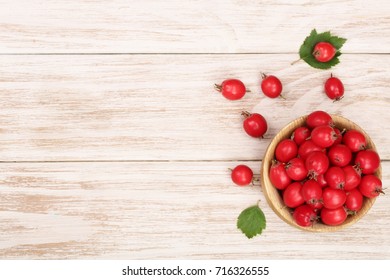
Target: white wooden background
x=113, y=144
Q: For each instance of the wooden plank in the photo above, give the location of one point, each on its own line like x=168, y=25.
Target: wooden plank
x=38, y=26
x=172, y=210
x=137, y=107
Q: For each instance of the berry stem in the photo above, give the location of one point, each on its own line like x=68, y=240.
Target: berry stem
x=312, y=175
x=217, y=87
x=358, y=168
x=316, y=53
x=350, y=212
x=255, y=180
x=296, y=61
x=245, y=114
x=338, y=99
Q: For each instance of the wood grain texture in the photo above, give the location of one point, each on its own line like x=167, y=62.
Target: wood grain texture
x=163, y=107
x=185, y=210
x=234, y=26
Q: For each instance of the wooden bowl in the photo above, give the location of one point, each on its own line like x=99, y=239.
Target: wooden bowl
x=272, y=194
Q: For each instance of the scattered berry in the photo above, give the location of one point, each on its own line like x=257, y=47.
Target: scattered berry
x=232, y=89
x=242, y=175
x=271, y=86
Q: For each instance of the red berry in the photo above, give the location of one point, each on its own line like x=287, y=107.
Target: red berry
x=339, y=136
x=324, y=51
x=335, y=177
x=254, y=124
x=278, y=175
x=285, y=150
x=318, y=118
x=316, y=163
x=292, y=196
x=304, y=215
x=333, y=217
x=271, y=86
x=231, y=89
x=321, y=180
x=334, y=88
x=352, y=177
x=296, y=169
x=333, y=198
x=300, y=134
x=323, y=136
x=370, y=186
x=368, y=161
x=354, y=201
x=312, y=193
x=306, y=148
x=340, y=155
x=354, y=140
x=242, y=175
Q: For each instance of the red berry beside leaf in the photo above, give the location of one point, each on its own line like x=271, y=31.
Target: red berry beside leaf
x=321, y=50
x=324, y=51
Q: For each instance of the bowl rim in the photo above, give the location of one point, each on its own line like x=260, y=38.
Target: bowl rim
x=270, y=191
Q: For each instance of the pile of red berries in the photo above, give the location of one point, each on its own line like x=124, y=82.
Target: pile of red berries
x=323, y=174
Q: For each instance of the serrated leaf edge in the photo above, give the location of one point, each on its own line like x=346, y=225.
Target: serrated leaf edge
x=262, y=224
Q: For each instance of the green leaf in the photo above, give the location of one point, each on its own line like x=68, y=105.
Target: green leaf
x=337, y=42
x=251, y=221
x=306, y=50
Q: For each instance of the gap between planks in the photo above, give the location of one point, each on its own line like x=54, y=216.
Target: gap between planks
x=181, y=53
x=124, y=161
x=135, y=161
